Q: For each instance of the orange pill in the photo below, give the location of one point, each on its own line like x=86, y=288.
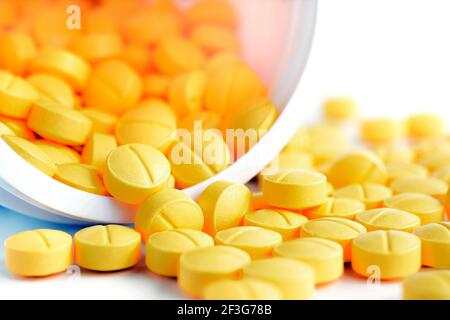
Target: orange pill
x=213, y=38
x=218, y=12
x=186, y=92
x=95, y=47
x=17, y=49
x=156, y=85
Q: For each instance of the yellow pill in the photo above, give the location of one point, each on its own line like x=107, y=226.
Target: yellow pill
x=59, y=124
x=98, y=46
x=427, y=285
x=427, y=146
x=257, y=242
x=340, y=230
x=231, y=88
x=245, y=289
x=381, y=130
x=213, y=38
x=204, y=119
x=293, y=159
x=224, y=205
x=425, y=125
x=202, y=266
x=32, y=154
x=357, y=167
x=38, y=253
x=166, y=210
x=19, y=128
x=134, y=172
x=427, y=208
x=64, y=64
x=442, y=173
x=97, y=149
x=435, y=238
x=16, y=96
x=224, y=59
x=17, y=49
x=327, y=142
x=171, y=183
x=391, y=153
x=153, y=125
x=286, y=223
x=371, y=194
x=218, y=12
x=113, y=87
x=397, y=170
x=325, y=256
x=164, y=249
x=176, y=55
x=301, y=141
x=5, y=130
x=102, y=122
x=198, y=156
x=156, y=85
x=186, y=92
x=435, y=160
x=107, y=248
x=339, y=108
x=52, y=89
x=388, y=219
x=295, y=279
x=139, y=57
x=81, y=177
x=430, y=186
x=294, y=188
x=391, y=254
x=57, y=153
x=336, y=207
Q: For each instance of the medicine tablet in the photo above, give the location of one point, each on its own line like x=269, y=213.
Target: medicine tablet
x=156, y=85
x=52, y=89
x=340, y=108
x=301, y=141
x=382, y=130
x=392, y=254
x=220, y=13
x=107, y=248
x=340, y=230
x=154, y=125
x=427, y=208
x=325, y=256
x=401, y=170
x=435, y=160
x=134, y=172
x=245, y=289
x=392, y=153
x=17, y=49
x=59, y=124
x=284, y=222
x=102, y=122
x=165, y=248
x=202, y=266
x=294, y=188
x=442, y=173
x=427, y=285
x=167, y=210
x=327, y=142
x=97, y=149
x=98, y=46
x=336, y=207
x=16, y=96
x=32, y=154
x=371, y=194
x=38, y=253
x=425, y=125
x=223, y=59
x=213, y=38
x=58, y=153
x=64, y=64
x=113, y=87
x=19, y=128
x=205, y=119
x=224, y=205
x=290, y=159
x=388, y=219
x=257, y=242
x=435, y=238
x=430, y=186
x=81, y=177
x=357, y=167
x=295, y=279
x=186, y=92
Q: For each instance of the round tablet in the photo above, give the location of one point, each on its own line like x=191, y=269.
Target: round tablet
x=325, y=256
x=430, y=186
x=102, y=122
x=205, y=119
x=397, y=170
x=435, y=238
x=245, y=289
x=17, y=49
x=58, y=153
x=339, y=108
x=224, y=205
x=97, y=149
x=425, y=125
x=186, y=92
x=134, y=172
x=388, y=219
x=435, y=160
x=257, y=242
x=295, y=279
x=52, y=89
x=395, y=253
x=107, y=248
x=202, y=266
x=340, y=230
x=427, y=208
x=382, y=130
x=81, y=177
x=213, y=38
x=336, y=207
x=427, y=285
x=163, y=249
x=371, y=194
x=38, y=253
x=294, y=188
x=166, y=210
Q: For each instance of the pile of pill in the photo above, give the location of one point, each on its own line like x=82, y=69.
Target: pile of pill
x=98, y=112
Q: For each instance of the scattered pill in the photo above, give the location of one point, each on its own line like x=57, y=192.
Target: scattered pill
x=186, y=92
x=435, y=238
x=382, y=130
x=207, y=120
x=430, y=186
x=52, y=89
x=17, y=49
x=336, y=207
x=98, y=46
x=388, y=219
x=397, y=170
x=245, y=289
x=58, y=154
x=339, y=108
x=442, y=173
x=97, y=149
x=213, y=38
x=425, y=125
x=427, y=285
x=156, y=85
x=81, y=177
x=371, y=194
x=102, y=122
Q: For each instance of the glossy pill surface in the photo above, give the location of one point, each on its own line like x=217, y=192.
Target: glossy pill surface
x=435, y=238
x=245, y=289
x=388, y=219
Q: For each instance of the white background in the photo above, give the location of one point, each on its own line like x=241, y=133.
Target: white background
x=392, y=56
